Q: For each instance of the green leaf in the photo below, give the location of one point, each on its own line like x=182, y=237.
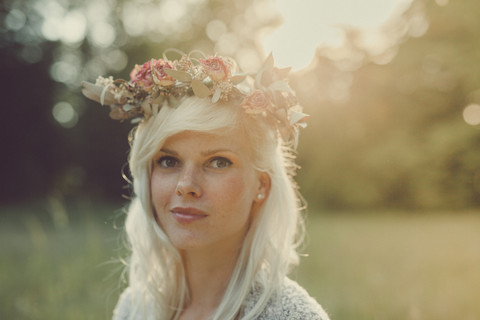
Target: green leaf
x=200, y=89
x=179, y=75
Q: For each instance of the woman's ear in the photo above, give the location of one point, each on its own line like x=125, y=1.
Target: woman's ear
x=264, y=186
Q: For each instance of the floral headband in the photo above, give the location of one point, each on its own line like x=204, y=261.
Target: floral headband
x=265, y=94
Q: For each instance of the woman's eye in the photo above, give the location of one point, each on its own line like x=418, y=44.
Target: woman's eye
x=167, y=162
x=219, y=163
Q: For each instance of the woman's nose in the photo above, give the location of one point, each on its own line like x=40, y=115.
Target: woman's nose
x=189, y=184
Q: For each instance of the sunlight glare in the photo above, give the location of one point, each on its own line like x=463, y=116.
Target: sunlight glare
x=309, y=24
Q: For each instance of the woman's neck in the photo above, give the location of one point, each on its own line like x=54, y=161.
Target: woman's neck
x=208, y=273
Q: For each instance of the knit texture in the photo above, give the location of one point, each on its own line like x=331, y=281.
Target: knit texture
x=291, y=302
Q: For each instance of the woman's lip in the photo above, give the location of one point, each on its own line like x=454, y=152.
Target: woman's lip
x=184, y=215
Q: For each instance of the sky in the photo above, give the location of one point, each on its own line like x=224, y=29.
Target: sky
x=309, y=24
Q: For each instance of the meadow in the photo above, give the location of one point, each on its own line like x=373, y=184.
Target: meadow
x=59, y=263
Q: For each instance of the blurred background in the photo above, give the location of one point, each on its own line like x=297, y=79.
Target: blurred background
x=390, y=161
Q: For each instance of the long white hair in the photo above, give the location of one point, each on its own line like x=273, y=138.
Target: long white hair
x=156, y=275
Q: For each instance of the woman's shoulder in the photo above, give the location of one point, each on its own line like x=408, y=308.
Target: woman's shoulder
x=291, y=301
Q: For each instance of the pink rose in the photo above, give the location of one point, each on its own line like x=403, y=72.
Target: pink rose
x=160, y=77
x=217, y=68
x=143, y=76
x=257, y=102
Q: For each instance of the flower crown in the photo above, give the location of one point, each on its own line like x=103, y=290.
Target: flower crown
x=265, y=94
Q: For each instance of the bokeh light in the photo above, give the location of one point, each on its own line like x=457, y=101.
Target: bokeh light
x=102, y=34
x=442, y=3
x=215, y=29
x=73, y=27
x=15, y=20
x=115, y=59
x=64, y=113
x=471, y=114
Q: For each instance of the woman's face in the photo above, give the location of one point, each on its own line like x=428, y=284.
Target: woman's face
x=204, y=189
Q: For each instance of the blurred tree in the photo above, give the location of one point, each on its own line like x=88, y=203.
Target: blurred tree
x=392, y=135
x=386, y=131
x=55, y=142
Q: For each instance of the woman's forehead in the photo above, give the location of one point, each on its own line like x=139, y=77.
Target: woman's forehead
x=229, y=139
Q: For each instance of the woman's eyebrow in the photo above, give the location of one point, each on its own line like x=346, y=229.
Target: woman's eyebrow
x=213, y=151
x=167, y=151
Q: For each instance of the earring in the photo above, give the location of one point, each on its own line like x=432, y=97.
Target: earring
x=260, y=196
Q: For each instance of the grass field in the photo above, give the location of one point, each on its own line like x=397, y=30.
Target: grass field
x=56, y=265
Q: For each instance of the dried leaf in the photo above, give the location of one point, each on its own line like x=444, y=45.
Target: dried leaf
x=159, y=100
x=264, y=75
x=127, y=107
x=283, y=73
x=216, y=95
x=200, y=89
x=154, y=95
x=179, y=75
x=117, y=113
x=147, y=108
x=238, y=78
x=155, y=108
x=136, y=120
x=258, y=80
x=298, y=118
x=173, y=102
x=94, y=92
x=268, y=64
x=281, y=85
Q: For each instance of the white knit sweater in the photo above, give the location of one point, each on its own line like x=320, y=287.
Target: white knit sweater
x=291, y=302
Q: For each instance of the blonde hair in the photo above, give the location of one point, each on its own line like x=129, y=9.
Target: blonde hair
x=156, y=274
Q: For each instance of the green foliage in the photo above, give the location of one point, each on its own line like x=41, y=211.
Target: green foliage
x=396, y=266
x=381, y=135
x=64, y=263
x=59, y=270
x=398, y=139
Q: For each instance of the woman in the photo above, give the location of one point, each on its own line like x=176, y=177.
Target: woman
x=215, y=221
